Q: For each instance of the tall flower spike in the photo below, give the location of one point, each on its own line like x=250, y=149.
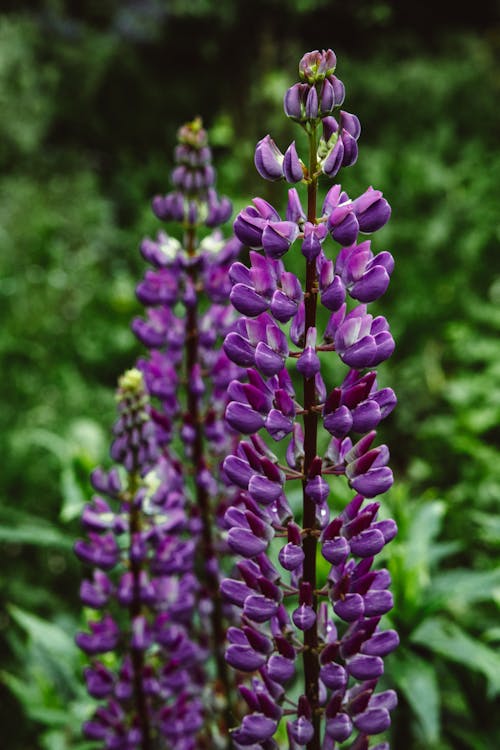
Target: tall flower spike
x=336, y=619
x=159, y=666
x=189, y=374
x=186, y=374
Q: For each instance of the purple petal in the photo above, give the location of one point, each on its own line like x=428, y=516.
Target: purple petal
x=292, y=167
x=350, y=608
x=373, y=721
x=268, y=159
x=368, y=543
x=381, y=644
x=239, y=350
x=372, y=285
x=235, y=591
x=280, y=669
x=278, y=236
x=378, y=603
x=335, y=550
x=374, y=482
x=334, y=676
x=339, y=727
x=244, y=658
x=245, y=543
x=365, y=667
x=267, y=360
x=247, y=301
x=333, y=161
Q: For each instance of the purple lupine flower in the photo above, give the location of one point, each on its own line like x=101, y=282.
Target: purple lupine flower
x=163, y=571
x=343, y=645
x=130, y=716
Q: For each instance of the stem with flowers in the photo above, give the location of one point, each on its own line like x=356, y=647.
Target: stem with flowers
x=342, y=649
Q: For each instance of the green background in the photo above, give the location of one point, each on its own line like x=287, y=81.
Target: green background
x=91, y=95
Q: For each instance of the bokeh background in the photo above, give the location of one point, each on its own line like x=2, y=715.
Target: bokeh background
x=91, y=95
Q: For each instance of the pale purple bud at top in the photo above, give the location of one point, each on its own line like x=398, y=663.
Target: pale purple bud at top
x=315, y=65
x=292, y=166
x=268, y=159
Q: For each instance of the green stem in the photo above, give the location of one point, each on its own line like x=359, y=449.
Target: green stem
x=309, y=544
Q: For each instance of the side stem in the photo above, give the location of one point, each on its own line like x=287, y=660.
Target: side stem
x=208, y=555
x=309, y=544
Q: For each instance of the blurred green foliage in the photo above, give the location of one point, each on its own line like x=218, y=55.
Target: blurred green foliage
x=91, y=96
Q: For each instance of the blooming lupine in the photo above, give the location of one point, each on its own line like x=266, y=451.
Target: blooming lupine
x=143, y=602
x=289, y=607
x=188, y=374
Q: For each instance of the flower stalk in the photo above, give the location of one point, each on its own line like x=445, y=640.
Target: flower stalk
x=309, y=541
x=341, y=645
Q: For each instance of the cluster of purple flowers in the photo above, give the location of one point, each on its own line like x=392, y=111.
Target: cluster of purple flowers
x=190, y=490
x=332, y=619
x=143, y=596
x=173, y=555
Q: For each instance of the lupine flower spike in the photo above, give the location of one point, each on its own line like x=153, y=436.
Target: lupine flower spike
x=188, y=373
x=144, y=665
x=333, y=625
x=167, y=556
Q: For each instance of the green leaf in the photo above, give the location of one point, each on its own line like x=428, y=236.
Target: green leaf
x=447, y=639
x=458, y=589
x=40, y=534
x=417, y=679
x=52, y=637
x=71, y=491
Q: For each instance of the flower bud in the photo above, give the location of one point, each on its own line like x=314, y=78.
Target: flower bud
x=269, y=159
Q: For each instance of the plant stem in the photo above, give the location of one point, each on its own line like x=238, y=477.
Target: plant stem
x=135, y=610
x=208, y=555
x=309, y=543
